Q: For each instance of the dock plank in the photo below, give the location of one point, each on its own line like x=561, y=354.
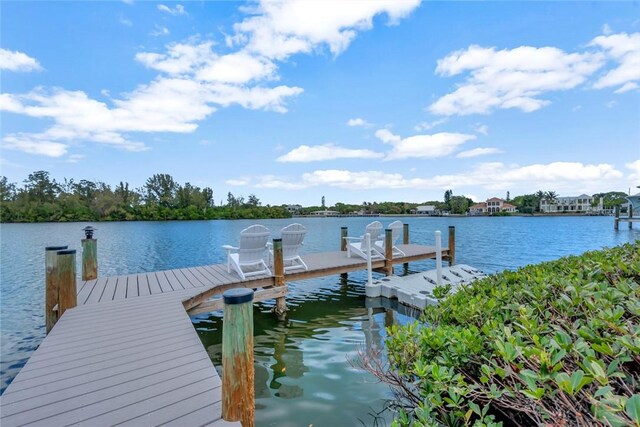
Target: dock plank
x=143, y=285
x=132, y=286
x=154, y=284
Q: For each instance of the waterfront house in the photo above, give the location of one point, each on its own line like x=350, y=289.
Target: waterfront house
x=425, y=210
x=571, y=204
x=492, y=205
x=294, y=209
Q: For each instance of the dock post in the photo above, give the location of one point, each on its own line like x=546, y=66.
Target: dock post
x=388, y=251
x=405, y=241
x=452, y=245
x=343, y=246
x=278, y=272
x=616, y=221
x=238, y=396
x=630, y=209
x=67, y=293
x=51, y=285
x=89, y=259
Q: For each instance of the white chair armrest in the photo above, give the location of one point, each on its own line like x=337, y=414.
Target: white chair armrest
x=354, y=239
x=230, y=248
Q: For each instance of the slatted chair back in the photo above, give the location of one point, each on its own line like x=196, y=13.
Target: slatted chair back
x=374, y=229
x=253, y=243
x=292, y=239
x=396, y=228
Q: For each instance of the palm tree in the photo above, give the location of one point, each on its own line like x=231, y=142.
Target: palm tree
x=551, y=196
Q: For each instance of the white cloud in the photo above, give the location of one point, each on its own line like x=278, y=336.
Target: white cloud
x=606, y=29
x=568, y=177
x=159, y=30
x=358, y=122
x=239, y=67
x=626, y=87
x=280, y=29
x=624, y=49
x=478, y=152
x=178, y=10
x=422, y=146
x=34, y=144
x=576, y=108
x=75, y=158
x=126, y=22
x=238, y=182
x=422, y=126
x=510, y=78
x=482, y=129
x=317, y=153
x=611, y=104
x=17, y=61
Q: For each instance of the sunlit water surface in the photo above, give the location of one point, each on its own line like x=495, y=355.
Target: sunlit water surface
x=305, y=370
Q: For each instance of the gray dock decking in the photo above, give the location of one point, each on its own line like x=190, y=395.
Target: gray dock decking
x=128, y=353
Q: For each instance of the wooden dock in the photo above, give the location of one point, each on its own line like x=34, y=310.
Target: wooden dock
x=128, y=353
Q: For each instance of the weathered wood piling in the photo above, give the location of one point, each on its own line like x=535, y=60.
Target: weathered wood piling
x=66, y=279
x=238, y=399
x=280, y=309
x=51, y=285
x=388, y=252
x=452, y=245
x=616, y=221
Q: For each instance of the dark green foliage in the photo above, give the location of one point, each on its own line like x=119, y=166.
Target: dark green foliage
x=162, y=198
x=550, y=344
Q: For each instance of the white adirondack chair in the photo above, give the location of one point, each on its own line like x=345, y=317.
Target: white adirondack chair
x=292, y=240
x=396, y=231
x=358, y=246
x=248, y=259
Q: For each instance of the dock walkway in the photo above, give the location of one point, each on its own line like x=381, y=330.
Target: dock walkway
x=128, y=353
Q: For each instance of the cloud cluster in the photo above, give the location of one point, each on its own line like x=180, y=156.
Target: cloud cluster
x=422, y=146
x=517, y=78
x=17, y=61
x=305, y=154
x=495, y=176
x=194, y=79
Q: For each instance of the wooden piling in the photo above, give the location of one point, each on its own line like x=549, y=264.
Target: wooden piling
x=388, y=251
x=51, y=285
x=67, y=293
x=616, y=220
x=278, y=272
x=89, y=259
x=238, y=396
x=630, y=210
x=452, y=245
x=344, y=232
x=405, y=241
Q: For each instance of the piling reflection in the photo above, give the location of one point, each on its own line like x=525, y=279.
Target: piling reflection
x=303, y=373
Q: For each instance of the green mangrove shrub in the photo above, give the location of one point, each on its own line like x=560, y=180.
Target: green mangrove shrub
x=554, y=344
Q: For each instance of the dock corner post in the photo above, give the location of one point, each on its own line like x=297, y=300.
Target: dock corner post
x=616, y=221
x=388, y=251
x=67, y=293
x=344, y=232
x=405, y=241
x=238, y=396
x=89, y=259
x=630, y=209
x=452, y=245
x=51, y=285
x=278, y=272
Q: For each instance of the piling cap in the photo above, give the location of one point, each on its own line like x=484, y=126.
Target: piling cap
x=237, y=296
x=55, y=248
x=67, y=252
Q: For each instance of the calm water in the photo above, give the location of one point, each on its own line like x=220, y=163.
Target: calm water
x=303, y=374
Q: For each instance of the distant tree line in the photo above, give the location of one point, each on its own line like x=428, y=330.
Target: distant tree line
x=43, y=199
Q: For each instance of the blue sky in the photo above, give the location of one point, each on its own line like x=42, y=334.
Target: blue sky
x=355, y=101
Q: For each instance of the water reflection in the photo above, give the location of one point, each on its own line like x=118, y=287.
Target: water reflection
x=303, y=369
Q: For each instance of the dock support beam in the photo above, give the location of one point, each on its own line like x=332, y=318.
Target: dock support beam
x=616, y=221
x=405, y=241
x=89, y=259
x=344, y=232
x=67, y=292
x=238, y=396
x=452, y=245
x=278, y=272
x=51, y=285
x=388, y=251
x=630, y=209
